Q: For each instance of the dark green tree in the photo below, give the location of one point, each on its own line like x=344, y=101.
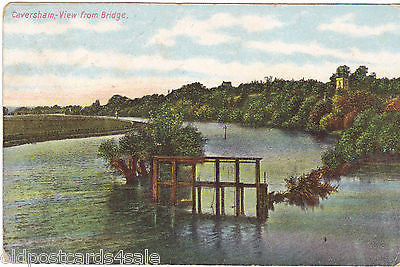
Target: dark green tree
x=164, y=135
x=343, y=71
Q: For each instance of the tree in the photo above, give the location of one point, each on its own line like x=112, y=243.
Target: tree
x=343, y=71
x=204, y=112
x=360, y=73
x=193, y=92
x=321, y=108
x=93, y=109
x=164, y=135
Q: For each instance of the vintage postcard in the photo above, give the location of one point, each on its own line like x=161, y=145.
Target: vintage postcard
x=223, y=134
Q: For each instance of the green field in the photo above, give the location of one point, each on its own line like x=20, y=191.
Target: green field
x=19, y=130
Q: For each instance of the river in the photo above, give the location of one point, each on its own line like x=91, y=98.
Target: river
x=58, y=195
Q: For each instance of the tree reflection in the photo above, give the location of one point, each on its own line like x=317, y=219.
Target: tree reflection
x=305, y=190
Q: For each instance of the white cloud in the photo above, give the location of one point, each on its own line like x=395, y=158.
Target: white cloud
x=53, y=28
x=346, y=25
x=64, y=90
x=86, y=59
x=205, y=31
x=387, y=62
x=291, y=48
x=208, y=67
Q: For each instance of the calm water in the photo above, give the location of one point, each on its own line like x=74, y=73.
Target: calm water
x=59, y=195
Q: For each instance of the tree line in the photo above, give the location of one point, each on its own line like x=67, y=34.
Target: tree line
x=364, y=113
x=365, y=116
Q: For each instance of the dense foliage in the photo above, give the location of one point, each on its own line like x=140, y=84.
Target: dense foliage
x=304, y=104
x=372, y=133
x=364, y=115
x=164, y=135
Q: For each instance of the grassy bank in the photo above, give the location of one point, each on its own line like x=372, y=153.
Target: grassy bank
x=18, y=130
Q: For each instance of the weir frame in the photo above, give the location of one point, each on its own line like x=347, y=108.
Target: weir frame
x=174, y=184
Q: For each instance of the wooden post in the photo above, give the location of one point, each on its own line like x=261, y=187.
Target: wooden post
x=135, y=159
x=242, y=200
x=222, y=201
x=258, y=207
x=237, y=194
x=133, y=164
x=155, y=180
x=266, y=195
x=261, y=209
x=217, y=192
x=225, y=131
x=265, y=204
x=199, y=200
x=193, y=187
x=174, y=182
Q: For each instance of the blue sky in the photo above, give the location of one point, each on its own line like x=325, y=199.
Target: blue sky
x=161, y=47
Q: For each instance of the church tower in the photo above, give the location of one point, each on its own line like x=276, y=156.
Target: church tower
x=342, y=84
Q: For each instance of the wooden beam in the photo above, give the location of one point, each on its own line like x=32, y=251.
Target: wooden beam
x=193, y=188
x=261, y=189
x=237, y=193
x=222, y=201
x=174, y=182
x=264, y=205
x=217, y=187
x=181, y=160
x=199, y=159
x=208, y=184
x=266, y=201
x=199, y=200
x=234, y=158
x=258, y=189
x=242, y=201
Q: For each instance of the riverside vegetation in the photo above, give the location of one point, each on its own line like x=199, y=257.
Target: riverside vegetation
x=20, y=130
x=164, y=135
x=365, y=116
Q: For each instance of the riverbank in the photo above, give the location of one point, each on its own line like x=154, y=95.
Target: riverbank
x=51, y=184
x=347, y=168
x=19, y=130
x=332, y=134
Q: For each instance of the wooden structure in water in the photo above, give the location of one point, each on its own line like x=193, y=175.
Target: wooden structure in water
x=220, y=186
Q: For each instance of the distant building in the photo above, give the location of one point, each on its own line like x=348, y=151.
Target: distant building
x=342, y=84
x=227, y=84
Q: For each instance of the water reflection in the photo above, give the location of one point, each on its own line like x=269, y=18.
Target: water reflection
x=59, y=195
x=168, y=228
x=306, y=190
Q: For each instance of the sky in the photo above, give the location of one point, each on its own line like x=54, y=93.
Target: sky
x=159, y=47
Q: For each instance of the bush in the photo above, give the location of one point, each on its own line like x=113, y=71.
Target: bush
x=164, y=136
x=331, y=159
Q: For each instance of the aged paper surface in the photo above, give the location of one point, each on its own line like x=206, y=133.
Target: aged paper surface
x=241, y=134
